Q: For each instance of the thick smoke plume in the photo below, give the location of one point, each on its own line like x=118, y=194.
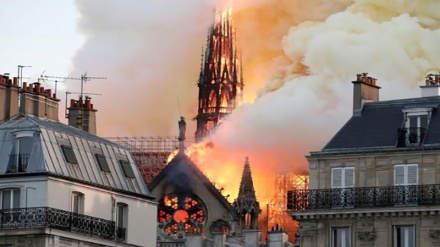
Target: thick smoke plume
x=299, y=58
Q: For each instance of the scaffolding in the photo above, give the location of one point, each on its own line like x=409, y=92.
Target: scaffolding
x=150, y=152
x=277, y=209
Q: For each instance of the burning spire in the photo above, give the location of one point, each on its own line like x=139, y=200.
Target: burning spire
x=246, y=205
x=221, y=81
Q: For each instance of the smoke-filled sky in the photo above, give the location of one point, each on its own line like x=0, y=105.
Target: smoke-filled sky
x=299, y=58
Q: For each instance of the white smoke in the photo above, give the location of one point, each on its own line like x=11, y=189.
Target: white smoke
x=308, y=52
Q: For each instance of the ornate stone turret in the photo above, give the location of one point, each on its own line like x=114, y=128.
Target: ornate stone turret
x=246, y=205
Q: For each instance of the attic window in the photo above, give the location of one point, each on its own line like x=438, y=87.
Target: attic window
x=69, y=154
x=126, y=168
x=102, y=162
x=416, y=121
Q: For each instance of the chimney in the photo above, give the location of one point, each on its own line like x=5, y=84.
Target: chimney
x=277, y=237
x=38, y=102
x=432, y=86
x=364, y=90
x=81, y=115
x=8, y=97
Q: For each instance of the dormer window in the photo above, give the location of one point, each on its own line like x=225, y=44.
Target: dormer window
x=69, y=155
x=415, y=126
x=19, y=158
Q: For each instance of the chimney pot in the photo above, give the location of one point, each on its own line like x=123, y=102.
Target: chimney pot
x=24, y=86
x=15, y=81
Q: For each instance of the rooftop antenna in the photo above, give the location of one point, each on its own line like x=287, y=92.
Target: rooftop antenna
x=63, y=79
x=20, y=73
x=85, y=78
x=67, y=93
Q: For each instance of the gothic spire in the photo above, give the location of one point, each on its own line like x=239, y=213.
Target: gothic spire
x=246, y=205
x=221, y=81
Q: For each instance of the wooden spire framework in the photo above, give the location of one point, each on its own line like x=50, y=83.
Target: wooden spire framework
x=221, y=80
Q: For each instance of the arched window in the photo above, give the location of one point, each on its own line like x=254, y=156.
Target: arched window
x=180, y=214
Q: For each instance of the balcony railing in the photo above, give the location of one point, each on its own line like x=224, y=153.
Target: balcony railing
x=410, y=136
x=364, y=197
x=45, y=217
x=120, y=233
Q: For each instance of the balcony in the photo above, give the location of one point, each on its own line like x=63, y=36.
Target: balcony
x=44, y=217
x=410, y=136
x=364, y=197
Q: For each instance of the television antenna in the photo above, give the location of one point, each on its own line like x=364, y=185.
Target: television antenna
x=20, y=73
x=83, y=79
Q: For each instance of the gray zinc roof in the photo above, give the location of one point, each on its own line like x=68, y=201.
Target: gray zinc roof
x=376, y=129
x=47, y=155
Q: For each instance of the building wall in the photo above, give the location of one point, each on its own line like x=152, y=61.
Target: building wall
x=141, y=230
x=374, y=169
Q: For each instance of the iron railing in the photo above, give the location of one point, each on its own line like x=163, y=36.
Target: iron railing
x=364, y=197
x=45, y=217
x=120, y=233
x=18, y=163
x=410, y=136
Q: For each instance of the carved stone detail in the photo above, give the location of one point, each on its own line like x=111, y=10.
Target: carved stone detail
x=434, y=235
x=366, y=236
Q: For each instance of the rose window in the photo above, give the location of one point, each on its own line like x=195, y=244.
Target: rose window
x=181, y=214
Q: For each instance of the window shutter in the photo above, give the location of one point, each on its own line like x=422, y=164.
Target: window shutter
x=412, y=174
x=399, y=175
x=348, y=177
x=336, y=177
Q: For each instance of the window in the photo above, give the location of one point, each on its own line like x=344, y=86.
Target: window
x=405, y=181
x=69, y=154
x=122, y=220
x=77, y=202
x=340, y=237
x=342, y=186
x=102, y=162
x=406, y=174
x=10, y=198
x=18, y=160
x=404, y=236
x=415, y=125
x=126, y=168
x=343, y=177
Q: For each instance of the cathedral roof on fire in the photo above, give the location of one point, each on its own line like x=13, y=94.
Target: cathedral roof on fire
x=176, y=177
x=33, y=146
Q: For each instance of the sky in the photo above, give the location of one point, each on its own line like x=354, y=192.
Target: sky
x=42, y=34
x=299, y=58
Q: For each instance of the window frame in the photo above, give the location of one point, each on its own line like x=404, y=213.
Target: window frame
x=405, y=174
x=77, y=202
x=416, y=113
x=69, y=154
x=13, y=202
x=408, y=228
x=343, y=177
x=104, y=167
x=333, y=236
x=127, y=169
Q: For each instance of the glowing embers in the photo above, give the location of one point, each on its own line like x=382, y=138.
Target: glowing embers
x=181, y=214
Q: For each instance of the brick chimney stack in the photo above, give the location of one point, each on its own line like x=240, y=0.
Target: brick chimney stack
x=364, y=90
x=432, y=86
x=81, y=115
x=37, y=101
x=9, y=92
